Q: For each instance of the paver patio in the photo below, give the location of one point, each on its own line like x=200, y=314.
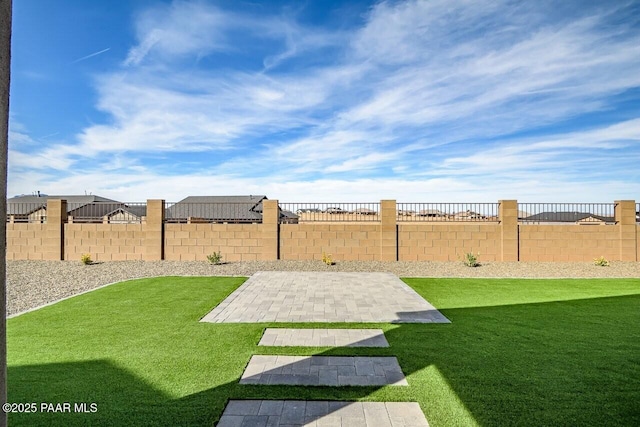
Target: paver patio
x=280, y=413
x=323, y=371
x=274, y=296
x=323, y=297
x=287, y=337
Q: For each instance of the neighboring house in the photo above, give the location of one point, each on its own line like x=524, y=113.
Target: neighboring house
x=364, y=211
x=469, y=215
x=569, y=217
x=222, y=209
x=308, y=210
x=335, y=210
x=87, y=208
x=432, y=213
x=100, y=209
x=127, y=214
x=288, y=217
x=26, y=212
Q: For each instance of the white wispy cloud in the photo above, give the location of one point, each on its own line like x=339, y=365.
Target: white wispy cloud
x=178, y=29
x=601, y=145
x=423, y=99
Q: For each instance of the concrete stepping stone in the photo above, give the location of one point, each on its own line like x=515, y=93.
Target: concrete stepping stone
x=285, y=337
x=280, y=413
x=323, y=371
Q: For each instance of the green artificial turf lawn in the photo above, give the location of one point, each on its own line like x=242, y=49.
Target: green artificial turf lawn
x=518, y=352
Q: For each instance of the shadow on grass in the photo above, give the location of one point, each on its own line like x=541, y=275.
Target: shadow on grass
x=555, y=363
x=76, y=383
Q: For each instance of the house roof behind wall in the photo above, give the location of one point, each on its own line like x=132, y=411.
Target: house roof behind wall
x=218, y=208
x=223, y=199
x=566, y=217
x=26, y=204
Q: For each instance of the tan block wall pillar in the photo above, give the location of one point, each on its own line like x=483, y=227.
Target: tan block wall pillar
x=388, y=231
x=154, y=231
x=53, y=241
x=270, y=229
x=508, y=216
x=625, y=216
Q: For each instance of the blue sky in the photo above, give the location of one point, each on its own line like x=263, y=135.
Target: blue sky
x=419, y=101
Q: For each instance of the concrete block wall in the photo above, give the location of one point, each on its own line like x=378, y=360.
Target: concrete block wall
x=448, y=241
x=104, y=242
x=388, y=231
x=270, y=227
x=25, y=241
x=154, y=231
x=345, y=241
x=569, y=242
x=53, y=241
x=625, y=216
x=508, y=216
x=383, y=240
x=236, y=242
x=617, y=242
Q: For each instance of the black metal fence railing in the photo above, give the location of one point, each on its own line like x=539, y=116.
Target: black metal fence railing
x=135, y=212
x=107, y=212
x=638, y=212
x=566, y=213
x=458, y=212
x=223, y=213
x=27, y=212
x=332, y=212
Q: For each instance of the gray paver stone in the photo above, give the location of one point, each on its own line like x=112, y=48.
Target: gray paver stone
x=255, y=421
x=324, y=414
x=293, y=411
x=271, y=407
x=243, y=407
x=316, y=408
x=327, y=371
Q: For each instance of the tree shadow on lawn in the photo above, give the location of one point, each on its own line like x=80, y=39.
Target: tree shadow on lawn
x=556, y=363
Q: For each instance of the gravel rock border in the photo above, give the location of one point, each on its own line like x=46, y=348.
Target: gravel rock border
x=31, y=284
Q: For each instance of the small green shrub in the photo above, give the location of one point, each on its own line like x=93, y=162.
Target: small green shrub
x=86, y=259
x=215, y=258
x=471, y=260
x=602, y=262
x=326, y=258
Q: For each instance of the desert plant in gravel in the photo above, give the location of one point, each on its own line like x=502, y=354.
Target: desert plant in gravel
x=215, y=258
x=326, y=258
x=601, y=262
x=471, y=260
x=86, y=259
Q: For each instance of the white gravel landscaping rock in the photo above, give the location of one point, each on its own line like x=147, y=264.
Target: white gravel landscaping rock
x=32, y=284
